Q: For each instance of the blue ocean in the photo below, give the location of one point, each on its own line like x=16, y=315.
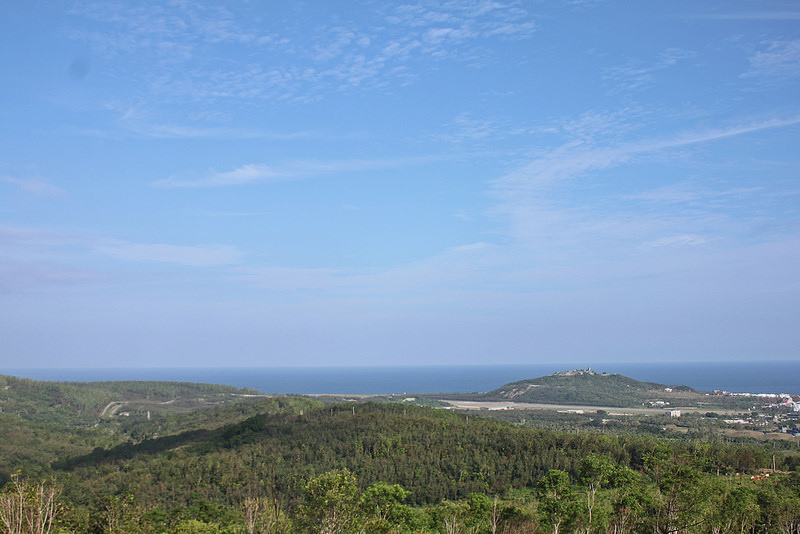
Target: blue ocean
x=752, y=377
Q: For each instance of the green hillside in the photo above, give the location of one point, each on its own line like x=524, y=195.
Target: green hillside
x=446, y=461
x=377, y=467
x=31, y=447
x=43, y=422
x=587, y=387
x=433, y=453
x=86, y=403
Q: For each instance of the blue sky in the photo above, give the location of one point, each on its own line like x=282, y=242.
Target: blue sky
x=339, y=183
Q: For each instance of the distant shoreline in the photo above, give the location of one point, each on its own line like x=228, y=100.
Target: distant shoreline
x=752, y=377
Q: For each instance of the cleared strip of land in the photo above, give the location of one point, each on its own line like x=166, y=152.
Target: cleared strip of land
x=616, y=410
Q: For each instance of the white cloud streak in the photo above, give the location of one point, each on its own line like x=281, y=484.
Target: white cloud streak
x=31, y=245
x=177, y=131
x=576, y=158
x=36, y=186
x=637, y=74
x=678, y=240
x=750, y=15
x=526, y=195
x=254, y=173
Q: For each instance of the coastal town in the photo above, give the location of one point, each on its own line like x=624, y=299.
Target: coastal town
x=630, y=404
x=780, y=410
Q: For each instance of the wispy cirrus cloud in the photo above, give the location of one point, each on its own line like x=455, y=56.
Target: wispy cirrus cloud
x=46, y=247
x=286, y=60
x=678, y=240
x=147, y=122
x=591, y=127
x=177, y=131
x=527, y=197
x=36, y=186
x=686, y=193
x=440, y=30
x=246, y=174
x=254, y=173
x=749, y=15
x=775, y=60
x=161, y=28
x=638, y=74
x=575, y=158
x=467, y=127
x=187, y=131
x=605, y=125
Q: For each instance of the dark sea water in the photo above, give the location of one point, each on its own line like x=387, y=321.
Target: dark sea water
x=753, y=377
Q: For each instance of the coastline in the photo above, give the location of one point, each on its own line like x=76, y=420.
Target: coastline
x=751, y=377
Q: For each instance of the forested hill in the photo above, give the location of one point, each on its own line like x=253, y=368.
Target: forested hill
x=590, y=388
x=86, y=402
x=435, y=454
x=393, y=467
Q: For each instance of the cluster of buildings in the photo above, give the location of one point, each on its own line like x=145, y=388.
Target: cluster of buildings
x=787, y=401
x=783, y=399
x=779, y=400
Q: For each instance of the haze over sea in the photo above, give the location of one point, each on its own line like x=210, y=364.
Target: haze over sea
x=753, y=377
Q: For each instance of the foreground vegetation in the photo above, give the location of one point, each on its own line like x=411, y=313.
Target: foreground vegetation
x=292, y=464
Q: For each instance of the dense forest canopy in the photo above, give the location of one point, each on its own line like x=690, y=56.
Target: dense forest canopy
x=295, y=464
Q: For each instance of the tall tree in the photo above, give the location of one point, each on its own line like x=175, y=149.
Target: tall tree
x=330, y=504
x=28, y=506
x=595, y=471
x=557, y=499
